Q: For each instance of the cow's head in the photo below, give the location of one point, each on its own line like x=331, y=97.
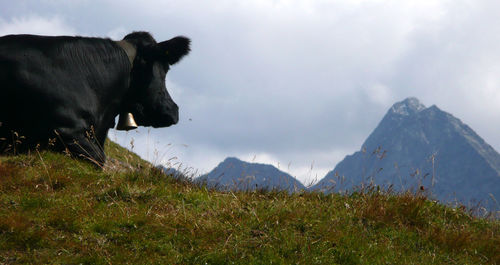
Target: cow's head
x=148, y=99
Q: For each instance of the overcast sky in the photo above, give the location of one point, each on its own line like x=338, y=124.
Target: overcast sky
x=295, y=83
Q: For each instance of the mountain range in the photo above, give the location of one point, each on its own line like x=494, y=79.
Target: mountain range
x=413, y=147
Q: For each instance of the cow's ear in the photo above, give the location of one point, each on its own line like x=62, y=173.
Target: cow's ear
x=174, y=49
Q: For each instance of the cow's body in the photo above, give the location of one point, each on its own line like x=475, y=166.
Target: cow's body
x=71, y=89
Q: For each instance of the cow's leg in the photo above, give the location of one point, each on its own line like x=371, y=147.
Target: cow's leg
x=101, y=137
x=83, y=145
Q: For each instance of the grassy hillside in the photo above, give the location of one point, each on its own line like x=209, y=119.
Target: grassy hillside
x=54, y=209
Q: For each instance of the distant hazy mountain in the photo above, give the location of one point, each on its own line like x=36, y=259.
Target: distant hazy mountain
x=235, y=174
x=416, y=146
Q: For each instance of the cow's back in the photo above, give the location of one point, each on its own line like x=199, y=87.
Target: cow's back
x=58, y=83
x=40, y=61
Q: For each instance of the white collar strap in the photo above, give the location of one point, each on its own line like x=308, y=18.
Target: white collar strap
x=129, y=49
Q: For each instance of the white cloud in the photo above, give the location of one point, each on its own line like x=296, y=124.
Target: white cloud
x=36, y=25
x=379, y=94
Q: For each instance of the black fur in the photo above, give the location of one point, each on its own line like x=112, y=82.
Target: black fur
x=72, y=88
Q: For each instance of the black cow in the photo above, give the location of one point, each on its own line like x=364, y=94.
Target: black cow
x=64, y=93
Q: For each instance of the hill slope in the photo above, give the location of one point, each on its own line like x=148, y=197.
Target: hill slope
x=417, y=146
x=235, y=174
x=54, y=209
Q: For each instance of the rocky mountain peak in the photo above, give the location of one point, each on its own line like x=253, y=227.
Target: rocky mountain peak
x=407, y=107
x=231, y=160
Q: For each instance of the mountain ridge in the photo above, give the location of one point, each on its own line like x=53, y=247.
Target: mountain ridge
x=412, y=147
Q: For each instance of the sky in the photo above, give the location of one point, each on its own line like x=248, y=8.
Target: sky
x=298, y=84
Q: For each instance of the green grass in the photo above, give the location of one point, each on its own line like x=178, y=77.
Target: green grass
x=57, y=210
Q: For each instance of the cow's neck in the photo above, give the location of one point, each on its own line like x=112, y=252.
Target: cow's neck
x=131, y=52
x=129, y=49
